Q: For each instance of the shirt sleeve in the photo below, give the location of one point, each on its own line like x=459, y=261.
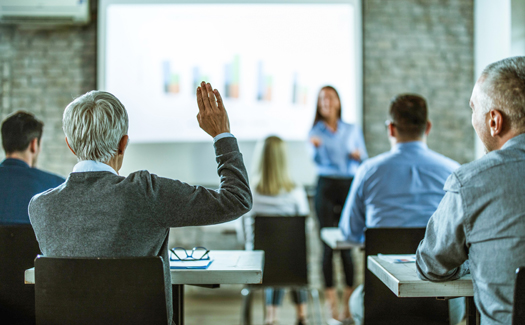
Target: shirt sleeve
x=177, y=204
x=353, y=216
x=303, y=207
x=442, y=255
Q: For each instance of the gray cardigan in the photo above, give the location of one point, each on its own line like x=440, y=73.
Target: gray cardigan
x=100, y=214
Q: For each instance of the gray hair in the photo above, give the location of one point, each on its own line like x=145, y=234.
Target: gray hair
x=94, y=124
x=503, y=88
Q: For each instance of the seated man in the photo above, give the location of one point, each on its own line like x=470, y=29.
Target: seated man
x=480, y=222
x=399, y=188
x=19, y=179
x=97, y=213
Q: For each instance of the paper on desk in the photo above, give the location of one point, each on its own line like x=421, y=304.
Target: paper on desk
x=200, y=264
x=406, y=258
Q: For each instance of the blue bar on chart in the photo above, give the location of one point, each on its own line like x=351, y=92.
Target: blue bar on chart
x=264, y=84
x=232, y=78
x=171, y=80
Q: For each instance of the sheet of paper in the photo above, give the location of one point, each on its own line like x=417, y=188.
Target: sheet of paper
x=405, y=258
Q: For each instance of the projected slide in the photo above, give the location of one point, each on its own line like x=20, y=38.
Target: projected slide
x=268, y=62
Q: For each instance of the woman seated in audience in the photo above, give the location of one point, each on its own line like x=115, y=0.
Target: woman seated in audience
x=274, y=193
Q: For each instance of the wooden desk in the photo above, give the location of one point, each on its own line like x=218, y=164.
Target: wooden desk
x=402, y=280
x=333, y=237
x=228, y=267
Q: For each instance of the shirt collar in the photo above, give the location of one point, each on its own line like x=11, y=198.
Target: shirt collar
x=516, y=141
x=409, y=145
x=322, y=125
x=92, y=166
x=15, y=162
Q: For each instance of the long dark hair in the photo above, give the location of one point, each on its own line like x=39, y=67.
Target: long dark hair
x=318, y=116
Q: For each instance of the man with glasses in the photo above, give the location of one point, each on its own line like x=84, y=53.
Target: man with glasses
x=399, y=188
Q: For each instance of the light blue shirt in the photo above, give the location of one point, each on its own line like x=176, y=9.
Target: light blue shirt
x=332, y=157
x=399, y=188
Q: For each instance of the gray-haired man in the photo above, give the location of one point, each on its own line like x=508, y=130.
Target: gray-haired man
x=97, y=213
x=479, y=225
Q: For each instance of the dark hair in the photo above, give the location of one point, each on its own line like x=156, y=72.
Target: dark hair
x=318, y=116
x=18, y=130
x=409, y=114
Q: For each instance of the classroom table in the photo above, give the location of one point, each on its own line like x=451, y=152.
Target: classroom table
x=228, y=267
x=403, y=281
x=333, y=237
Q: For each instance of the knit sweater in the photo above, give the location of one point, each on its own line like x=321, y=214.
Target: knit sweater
x=100, y=214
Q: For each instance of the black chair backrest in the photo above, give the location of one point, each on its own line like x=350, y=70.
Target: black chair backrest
x=283, y=240
x=100, y=291
x=18, y=249
x=518, y=313
x=381, y=305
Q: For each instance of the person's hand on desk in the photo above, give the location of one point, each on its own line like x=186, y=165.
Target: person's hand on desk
x=212, y=117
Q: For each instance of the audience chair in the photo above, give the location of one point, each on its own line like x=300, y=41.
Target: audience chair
x=518, y=313
x=381, y=305
x=18, y=250
x=100, y=291
x=283, y=240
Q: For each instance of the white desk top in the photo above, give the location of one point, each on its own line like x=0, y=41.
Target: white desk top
x=333, y=237
x=402, y=279
x=228, y=267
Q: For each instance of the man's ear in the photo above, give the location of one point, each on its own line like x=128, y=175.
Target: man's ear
x=33, y=146
x=392, y=130
x=70, y=147
x=429, y=126
x=123, y=144
x=495, y=122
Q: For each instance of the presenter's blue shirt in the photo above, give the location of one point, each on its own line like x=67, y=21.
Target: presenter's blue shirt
x=18, y=184
x=332, y=157
x=399, y=188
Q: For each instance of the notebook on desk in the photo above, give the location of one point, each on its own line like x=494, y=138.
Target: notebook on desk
x=200, y=264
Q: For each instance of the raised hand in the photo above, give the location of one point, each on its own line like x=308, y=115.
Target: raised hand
x=212, y=117
x=316, y=141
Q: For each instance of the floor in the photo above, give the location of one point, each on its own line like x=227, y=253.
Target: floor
x=223, y=305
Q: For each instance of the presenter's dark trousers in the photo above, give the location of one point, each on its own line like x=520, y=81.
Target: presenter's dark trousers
x=330, y=198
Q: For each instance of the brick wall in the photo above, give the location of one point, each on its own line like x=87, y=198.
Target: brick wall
x=423, y=47
x=41, y=71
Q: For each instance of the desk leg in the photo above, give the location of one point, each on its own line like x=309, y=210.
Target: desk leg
x=178, y=303
x=472, y=315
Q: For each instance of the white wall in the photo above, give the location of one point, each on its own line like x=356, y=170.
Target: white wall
x=492, y=38
x=194, y=163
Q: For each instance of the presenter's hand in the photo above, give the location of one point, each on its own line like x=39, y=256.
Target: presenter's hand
x=356, y=155
x=316, y=141
x=212, y=117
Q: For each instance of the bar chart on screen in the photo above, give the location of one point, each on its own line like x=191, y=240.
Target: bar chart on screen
x=268, y=61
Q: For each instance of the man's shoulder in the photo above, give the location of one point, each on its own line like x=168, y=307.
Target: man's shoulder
x=50, y=177
x=442, y=160
x=481, y=169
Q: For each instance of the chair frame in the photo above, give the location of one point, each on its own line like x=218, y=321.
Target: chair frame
x=129, y=290
x=282, y=268
x=381, y=305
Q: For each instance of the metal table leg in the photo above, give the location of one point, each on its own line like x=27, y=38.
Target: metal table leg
x=472, y=314
x=178, y=303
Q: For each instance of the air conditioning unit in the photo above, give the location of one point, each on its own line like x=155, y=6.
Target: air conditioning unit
x=49, y=12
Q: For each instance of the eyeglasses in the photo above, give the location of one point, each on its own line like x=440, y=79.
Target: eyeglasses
x=388, y=122
x=196, y=254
